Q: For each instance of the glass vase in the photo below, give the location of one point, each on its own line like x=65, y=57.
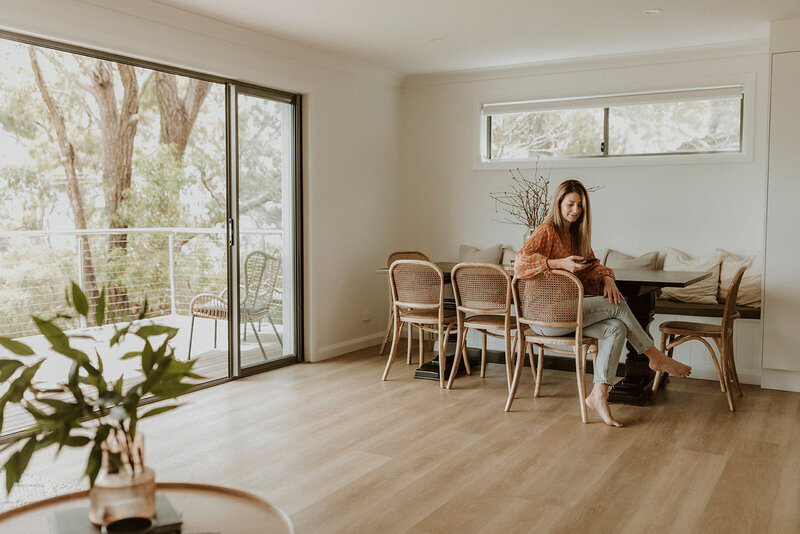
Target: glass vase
x=123, y=488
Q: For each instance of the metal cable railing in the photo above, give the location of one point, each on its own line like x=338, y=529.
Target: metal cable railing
x=169, y=266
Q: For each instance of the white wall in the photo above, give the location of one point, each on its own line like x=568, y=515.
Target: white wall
x=351, y=155
x=695, y=207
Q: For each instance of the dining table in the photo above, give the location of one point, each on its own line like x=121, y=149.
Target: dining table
x=640, y=288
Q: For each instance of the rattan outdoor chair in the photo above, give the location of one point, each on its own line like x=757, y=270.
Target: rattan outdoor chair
x=261, y=272
x=418, y=299
x=674, y=333
x=483, y=290
x=551, y=299
x=394, y=256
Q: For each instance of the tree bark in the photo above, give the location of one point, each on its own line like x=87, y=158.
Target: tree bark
x=117, y=130
x=73, y=186
x=178, y=115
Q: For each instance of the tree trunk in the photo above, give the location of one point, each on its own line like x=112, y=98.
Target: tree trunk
x=117, y=130
x=178, y=115
x=73, y=186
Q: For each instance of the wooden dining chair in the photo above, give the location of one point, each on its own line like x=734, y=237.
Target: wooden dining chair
x=418, y=299
x=551, y=299
x=674, y=333
x=483, y=290
x=394, y=256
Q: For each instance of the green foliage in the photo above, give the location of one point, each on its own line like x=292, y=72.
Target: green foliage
x=90, y=407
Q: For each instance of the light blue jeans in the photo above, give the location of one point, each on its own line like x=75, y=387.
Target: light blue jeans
x=611, y=325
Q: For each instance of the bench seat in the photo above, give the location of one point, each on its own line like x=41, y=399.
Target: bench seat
x=673, y=307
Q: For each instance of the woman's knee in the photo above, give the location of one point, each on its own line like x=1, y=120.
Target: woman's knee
x=617, y=328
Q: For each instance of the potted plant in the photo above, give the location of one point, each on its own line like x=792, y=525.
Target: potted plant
x=527, y=201
x=89, y=409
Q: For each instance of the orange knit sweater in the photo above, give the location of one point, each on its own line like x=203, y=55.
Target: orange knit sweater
x=545, y=244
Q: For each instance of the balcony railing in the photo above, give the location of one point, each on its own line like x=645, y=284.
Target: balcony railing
x=167, y=265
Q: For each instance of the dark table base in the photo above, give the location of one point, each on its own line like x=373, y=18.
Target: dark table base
x=430, y=370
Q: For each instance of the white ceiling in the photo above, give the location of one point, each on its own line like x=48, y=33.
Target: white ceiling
x=421, y=36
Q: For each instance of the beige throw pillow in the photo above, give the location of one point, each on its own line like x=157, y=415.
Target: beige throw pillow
x=468, y=254
x=702, y=292
x=750, y=286
x=600, y=254
x=508, y=255
x=618, y=260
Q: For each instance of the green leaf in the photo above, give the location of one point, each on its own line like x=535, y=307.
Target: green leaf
x=160, y=409
x=16, y=347
x=93, y=464
x=118, y=385
x=76, y=441
x=100, y=309
x=18, y=462
x=7, y=368
x=79, y=300
x=18, y=387
x=170, y=391
x=156, y=330
x=129, y=355
x=132, y=426
x=119, y=334
x=143, y=313
x=59, y=340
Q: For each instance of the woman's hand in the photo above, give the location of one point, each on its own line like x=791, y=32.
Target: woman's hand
x=611, y=291
x=570, y=263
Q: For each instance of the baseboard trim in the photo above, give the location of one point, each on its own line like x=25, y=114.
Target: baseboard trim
x=351, y=345
x=780, y=379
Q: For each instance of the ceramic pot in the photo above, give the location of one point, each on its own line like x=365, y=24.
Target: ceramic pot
x=124, y=490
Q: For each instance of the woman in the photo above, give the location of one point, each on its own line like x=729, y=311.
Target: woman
x=563, y=241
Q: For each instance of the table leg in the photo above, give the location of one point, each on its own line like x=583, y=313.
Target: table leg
x=635, y=387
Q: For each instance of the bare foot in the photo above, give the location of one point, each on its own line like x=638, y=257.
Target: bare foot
x=661, y=362
x=597, y=401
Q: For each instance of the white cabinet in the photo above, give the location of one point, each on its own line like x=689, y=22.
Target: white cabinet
x=781, y=313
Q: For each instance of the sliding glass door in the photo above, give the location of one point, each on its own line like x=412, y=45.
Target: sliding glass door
x=264, y=227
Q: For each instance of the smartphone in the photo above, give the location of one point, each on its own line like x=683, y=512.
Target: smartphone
x=584, y=262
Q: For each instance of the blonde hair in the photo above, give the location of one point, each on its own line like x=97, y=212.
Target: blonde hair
x=581, y=231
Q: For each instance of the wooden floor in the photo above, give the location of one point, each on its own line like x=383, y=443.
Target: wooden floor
x=341, y=451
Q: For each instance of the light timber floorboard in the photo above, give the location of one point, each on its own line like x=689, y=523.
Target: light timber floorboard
x=343, y=452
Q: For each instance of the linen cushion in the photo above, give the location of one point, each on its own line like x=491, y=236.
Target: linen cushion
x=619, y=260
x=750, y=286
x=600, y=254
x=702, y=292
x=508, y=255
x=470, y=254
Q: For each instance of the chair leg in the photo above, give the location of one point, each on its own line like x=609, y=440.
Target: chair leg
x=521, y=348
x=513, y=352
x=732, y=367
x=657, y=379
x=724, y=361
x=459, y=353
x=483, y=354
x=509, y=358
x=723, y=383
x=443, y=352
x=274, y=329
x=389, y=325
x=537, y=379
x=464, y=354
x=530, y=361
x=408, y=345
x=191, y=333
x=393, y=350
x=421, y=343
x=580, y=354
x=260, y=346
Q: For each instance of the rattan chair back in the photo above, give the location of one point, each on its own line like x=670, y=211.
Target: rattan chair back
x=406, y=255
x=416, y=284
x=481, y=288
x=261, y=271
x=729, y=313
x=553, y=298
